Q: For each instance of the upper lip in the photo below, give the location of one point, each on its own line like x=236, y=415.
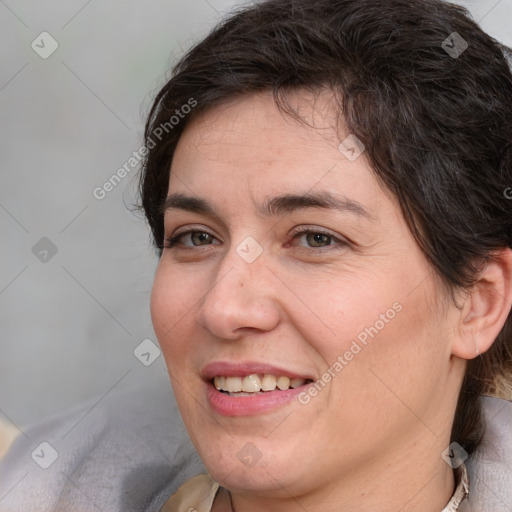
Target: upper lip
x=241, y=369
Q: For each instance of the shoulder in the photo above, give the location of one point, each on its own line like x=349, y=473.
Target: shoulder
x=490, y=467
x=126, y=452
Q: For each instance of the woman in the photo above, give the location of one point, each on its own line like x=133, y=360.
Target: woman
x=326, y=182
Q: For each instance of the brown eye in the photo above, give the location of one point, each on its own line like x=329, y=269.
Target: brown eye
x=191, y=239
x=318, y=239
x=314, y=239
x=200, y=238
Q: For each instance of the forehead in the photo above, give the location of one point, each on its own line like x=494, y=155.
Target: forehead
x=256, y=118
x=249, y=144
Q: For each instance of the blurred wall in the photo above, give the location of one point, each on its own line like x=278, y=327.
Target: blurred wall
x=76, y=80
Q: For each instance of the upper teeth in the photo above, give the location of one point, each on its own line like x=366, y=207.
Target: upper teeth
x=255, y=383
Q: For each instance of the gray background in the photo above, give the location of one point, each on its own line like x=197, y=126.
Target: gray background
x=69, y=325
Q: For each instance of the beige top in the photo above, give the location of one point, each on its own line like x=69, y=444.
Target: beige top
x=198, y=494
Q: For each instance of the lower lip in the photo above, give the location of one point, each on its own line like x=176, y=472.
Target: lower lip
x=227, y=405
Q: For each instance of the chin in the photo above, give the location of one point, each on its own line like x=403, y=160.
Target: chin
x=256, y=480
x=249, y=469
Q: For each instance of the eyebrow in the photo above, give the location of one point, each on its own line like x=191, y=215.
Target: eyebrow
x=278, y=205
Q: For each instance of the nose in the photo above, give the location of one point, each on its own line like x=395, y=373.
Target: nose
x=242, y=298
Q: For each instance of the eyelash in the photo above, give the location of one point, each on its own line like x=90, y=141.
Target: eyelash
x=173, y=241
x=316, y=231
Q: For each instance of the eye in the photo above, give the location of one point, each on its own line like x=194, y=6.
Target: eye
x=316, y=239
x=191, y=238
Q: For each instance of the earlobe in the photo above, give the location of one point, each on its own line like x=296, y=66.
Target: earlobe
x=486, y=307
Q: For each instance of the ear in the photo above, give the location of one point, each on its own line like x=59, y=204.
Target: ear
x=486, y=307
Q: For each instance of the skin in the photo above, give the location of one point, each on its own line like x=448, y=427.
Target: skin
x=372, y=438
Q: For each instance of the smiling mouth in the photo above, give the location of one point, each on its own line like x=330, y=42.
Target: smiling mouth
x=256, y=384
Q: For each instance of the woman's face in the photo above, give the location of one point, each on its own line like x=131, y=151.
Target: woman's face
x=290, y=265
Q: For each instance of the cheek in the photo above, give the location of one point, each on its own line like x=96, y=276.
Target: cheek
x=386, y=340
x=400, y=368
x=172, y=301
x=341, y=311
